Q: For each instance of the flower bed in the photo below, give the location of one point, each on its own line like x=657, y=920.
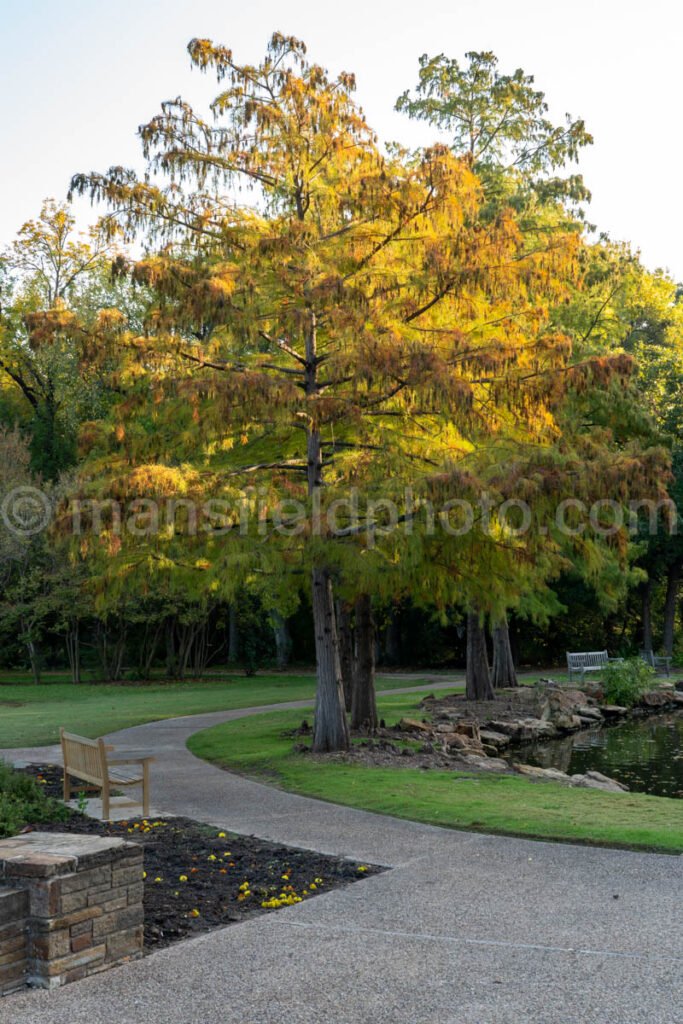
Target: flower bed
x=199, y=877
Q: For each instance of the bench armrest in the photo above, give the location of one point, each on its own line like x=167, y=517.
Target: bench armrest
x=131, y=760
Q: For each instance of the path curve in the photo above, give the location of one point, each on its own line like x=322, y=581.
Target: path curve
x=465, y=928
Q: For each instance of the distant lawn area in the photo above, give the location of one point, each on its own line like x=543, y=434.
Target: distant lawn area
x=257, y=746
x=31, y=715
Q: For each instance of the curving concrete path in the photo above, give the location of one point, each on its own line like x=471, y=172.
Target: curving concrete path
x=464, y=928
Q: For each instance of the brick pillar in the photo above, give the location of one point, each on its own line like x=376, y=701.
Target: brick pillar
x=82, y=899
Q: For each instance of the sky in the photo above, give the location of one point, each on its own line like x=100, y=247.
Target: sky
x=78, y=76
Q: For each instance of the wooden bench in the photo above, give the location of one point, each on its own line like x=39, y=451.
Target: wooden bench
x=587, y=661
x=659, y=662
x=90, y=761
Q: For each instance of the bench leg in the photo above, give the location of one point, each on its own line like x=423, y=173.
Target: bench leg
x=105, y=800
x=145, y=789
x=67, y=788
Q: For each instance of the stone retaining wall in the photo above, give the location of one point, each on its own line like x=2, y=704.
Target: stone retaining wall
x=74, y=900
x=13, y=929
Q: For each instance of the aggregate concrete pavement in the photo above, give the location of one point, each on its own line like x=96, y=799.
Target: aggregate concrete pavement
x=463, y=928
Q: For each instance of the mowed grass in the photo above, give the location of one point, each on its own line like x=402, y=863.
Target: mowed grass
x=258, y=746
x=31, y=715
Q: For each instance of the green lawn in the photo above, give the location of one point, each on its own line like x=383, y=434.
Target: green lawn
x=256, y=746
x=31, y=715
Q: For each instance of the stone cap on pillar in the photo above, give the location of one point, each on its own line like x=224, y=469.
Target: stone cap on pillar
x=45, y=854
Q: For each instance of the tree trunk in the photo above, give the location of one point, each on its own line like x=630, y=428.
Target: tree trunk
x=647, y=615
x=201, y=649
x=34, y=659
x=233, y=636
x=504, y=673
x=73, y=650
x=392, y=639
x=363, y=699
x=331, y=729
x=283, y=641
x=673, y=581
x=345, y=637
x=149, y=649
x=477, y=678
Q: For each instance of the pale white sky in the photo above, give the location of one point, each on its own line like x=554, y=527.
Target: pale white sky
x=78, y=76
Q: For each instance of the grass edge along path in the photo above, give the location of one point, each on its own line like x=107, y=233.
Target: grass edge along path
x=506, y=805
x=30, y=715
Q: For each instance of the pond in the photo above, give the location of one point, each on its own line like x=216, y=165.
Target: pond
x=645, y=753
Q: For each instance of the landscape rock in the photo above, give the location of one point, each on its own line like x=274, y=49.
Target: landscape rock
x=566, y=722
x=542, y=773
x=596, y=780
x=491, y=738
x=655, y=699
x=412, y=725
x=520, y=729
x=468, y=727
x=613, y=710
x=487, y=764
x=591, y=713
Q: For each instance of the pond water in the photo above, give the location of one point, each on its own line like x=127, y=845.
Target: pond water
x=645, y=753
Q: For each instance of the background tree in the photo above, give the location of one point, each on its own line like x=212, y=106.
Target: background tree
x=53, y=288
x=500, y=124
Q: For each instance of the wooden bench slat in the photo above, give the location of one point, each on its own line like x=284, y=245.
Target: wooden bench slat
x=87, y=760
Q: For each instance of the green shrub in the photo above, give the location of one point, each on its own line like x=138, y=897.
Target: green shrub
x=22, y=802
x=624, y=682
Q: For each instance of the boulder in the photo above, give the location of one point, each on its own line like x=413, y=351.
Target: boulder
x=542, y=773
x=519, y=729
x=412, y=725
x=468, y=727
x=591, y=713
x=596, y=780
x=566, y=722
x=655, y=699
x=491, y=738
x=457, y=742
x=613, y=710
x=593, y=689
x=487, y=764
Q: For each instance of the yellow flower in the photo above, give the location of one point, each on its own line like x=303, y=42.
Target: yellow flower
x=194, y=913
x=183, y=878
x=144, y=875
x=286, y=877
x=158, y=879
x=212, y=857
x=362, y=867
x=313, y=886
x=221, y=835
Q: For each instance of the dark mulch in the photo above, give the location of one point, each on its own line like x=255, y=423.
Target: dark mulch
x=227, y=878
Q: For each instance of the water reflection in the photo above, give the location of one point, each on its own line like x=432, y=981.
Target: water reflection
x=645, y=753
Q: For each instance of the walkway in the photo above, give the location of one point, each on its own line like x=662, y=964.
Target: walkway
x=465, y=929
